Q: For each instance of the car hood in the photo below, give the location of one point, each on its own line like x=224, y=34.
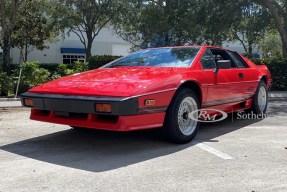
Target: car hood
x=118, y=82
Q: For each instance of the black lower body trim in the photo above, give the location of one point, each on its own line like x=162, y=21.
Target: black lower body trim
x=225, y=101
x=158, y=109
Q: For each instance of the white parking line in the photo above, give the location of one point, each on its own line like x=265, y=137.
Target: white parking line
x=265, y=127
x=214, y=151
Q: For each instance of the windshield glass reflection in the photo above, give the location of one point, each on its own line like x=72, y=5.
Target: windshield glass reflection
x=162, y=57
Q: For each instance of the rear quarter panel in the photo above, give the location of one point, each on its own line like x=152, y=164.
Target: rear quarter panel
x=263, y=71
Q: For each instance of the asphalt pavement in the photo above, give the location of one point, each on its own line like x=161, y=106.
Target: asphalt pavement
x=232, y=155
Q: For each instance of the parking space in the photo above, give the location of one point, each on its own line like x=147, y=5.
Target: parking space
x=232, y=155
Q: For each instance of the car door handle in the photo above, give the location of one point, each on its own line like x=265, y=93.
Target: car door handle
x=241, y=75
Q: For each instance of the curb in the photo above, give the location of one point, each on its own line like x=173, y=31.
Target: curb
x=278, y=94
x=9, y=99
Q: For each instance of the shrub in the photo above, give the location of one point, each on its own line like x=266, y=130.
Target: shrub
x=100, y=60
x=51, y=67
x=278, y=69
x=64, y=70
x=14, y=67
x=6, y=83
x=32, y=75
x=79, y=67
x=69, y=69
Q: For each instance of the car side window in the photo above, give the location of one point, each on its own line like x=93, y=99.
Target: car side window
x=236, y=59
x=222, y=55
x=207, y=60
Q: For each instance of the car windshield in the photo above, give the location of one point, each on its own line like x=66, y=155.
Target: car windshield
x=161, y=57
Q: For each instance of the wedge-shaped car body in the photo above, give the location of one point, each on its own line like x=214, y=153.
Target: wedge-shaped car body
x=154, y=88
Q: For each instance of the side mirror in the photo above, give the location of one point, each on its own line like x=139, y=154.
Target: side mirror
x=222, y=64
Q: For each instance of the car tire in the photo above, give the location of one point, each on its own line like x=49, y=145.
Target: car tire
x=260, y=99
x=178, y=127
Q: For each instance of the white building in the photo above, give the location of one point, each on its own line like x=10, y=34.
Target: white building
x=70, y=49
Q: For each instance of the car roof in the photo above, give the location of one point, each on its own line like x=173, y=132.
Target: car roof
x=191, y=46
x=186, y=46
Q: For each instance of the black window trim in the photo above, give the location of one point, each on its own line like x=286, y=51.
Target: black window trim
x=240, y=58
x=207, y=49
x=235, y=54
x=232, y=62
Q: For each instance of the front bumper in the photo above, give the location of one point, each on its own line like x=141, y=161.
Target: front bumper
x=79, y=111
x=82, y=104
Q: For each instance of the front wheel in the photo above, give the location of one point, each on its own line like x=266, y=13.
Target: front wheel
x=178, y=127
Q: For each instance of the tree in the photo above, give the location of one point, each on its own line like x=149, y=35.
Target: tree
x=8, y=11
x=278, y=11
x=86, y=18
x=251, y=26
x=32, y=27
x=152, y=23
x=175, y=22
x=271, y=46
x=216, y=17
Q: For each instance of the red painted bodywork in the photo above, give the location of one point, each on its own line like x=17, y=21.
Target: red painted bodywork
x=156, y=83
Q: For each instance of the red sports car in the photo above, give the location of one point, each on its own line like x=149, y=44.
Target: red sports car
x=154, y=88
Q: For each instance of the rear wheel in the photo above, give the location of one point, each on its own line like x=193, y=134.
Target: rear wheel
x=260, y=99
x=178, y=127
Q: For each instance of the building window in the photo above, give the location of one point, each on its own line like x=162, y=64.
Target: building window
x=71, y=58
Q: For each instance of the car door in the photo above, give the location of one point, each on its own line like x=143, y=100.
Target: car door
x=225, y=85
x=248, y=76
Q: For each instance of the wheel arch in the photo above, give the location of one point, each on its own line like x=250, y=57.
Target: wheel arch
x=193, y=85
x=264, y=78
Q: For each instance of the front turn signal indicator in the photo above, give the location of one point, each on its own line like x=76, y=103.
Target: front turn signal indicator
x=149, y=102
x=103, y=108
x=28, y=102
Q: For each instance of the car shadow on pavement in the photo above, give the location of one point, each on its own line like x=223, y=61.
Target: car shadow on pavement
x=99, y=151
